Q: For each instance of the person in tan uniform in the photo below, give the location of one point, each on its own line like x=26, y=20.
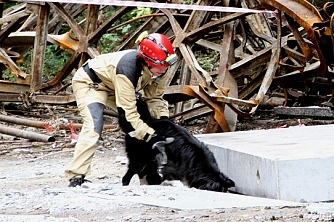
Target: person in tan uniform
x=114, y=80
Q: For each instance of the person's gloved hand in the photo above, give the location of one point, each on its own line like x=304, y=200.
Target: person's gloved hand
x=167, y=118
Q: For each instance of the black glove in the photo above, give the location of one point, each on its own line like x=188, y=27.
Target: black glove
x=166, y=117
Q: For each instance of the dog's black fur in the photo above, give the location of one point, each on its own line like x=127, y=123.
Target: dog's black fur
x=189, y=160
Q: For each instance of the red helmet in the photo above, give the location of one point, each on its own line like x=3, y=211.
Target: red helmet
x=156, y=50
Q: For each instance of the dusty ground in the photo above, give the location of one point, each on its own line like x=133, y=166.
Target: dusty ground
x=34, y=187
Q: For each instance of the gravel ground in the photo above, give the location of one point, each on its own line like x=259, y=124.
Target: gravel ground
x=34, y=187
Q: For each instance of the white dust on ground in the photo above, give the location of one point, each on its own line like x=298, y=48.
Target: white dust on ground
x=35, y=189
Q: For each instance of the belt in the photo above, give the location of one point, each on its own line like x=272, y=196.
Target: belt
x=92, y=75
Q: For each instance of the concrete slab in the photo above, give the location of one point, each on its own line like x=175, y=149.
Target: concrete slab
x=181, y=198
x=292, y=164
x=191, y=199
x=311, y=111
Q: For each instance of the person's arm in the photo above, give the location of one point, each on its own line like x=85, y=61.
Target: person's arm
x=153, y=95
x=127, y=109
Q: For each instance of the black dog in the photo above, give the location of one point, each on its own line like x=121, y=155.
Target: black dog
x=188, y=159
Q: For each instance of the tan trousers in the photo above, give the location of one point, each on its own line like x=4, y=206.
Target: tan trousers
x=91, y=101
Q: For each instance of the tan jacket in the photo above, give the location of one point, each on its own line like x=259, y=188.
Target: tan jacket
x=117, y=72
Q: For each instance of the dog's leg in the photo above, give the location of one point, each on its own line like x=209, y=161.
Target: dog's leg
x=173, y=183
x=128, y=176
x=149, y=174
x=143, y=181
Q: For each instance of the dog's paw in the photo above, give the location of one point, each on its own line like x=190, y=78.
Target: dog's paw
x=173, y=183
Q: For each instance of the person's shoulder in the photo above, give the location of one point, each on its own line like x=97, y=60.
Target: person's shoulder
x=128, y=66
x=124, y=52
x=129, y=54
x=118, y=53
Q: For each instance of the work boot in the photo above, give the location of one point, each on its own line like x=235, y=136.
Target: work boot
x=77, y=181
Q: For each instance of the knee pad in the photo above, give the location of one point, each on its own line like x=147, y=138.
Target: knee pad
x=96, y=110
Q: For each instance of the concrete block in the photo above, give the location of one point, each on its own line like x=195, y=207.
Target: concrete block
x=311, y=111
x=291, y=164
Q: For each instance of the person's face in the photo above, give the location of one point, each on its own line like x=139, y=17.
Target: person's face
x=158, y=71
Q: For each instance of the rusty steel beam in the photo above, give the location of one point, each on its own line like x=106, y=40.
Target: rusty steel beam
x=306, y=15
x=215, y=100
x=65, y=41
x=44, y=125
x=36, y=98
x=249, y=63
x=40, y=46
x=13, y=17
x=59, y=9
x=224, y=78
x=267, y=80
x=200, y=93
x=53, y=99
x=10, y=97
x=197, y=34
x=257, y=79
x=21, y=76
x=26, y=134
x=11, y=87
x=192, y=113
x=21, y=121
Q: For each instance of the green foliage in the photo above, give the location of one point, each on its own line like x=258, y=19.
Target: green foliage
x=9, y=5
x=6, y=75
x=26, y=65
x=109, y=42
x=9, y=105
x=189, y=2
x=55, y=60
x=208, y=59
x=139, y=11
x=135, y=13
x=109, y=11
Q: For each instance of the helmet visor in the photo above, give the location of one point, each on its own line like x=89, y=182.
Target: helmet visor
x=170, y=60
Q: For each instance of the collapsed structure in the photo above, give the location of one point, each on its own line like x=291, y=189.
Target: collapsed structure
x=286, y=46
